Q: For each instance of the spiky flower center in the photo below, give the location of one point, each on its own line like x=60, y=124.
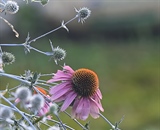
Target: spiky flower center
x=8, y=58
x=85, y=82
x=59, y=53
x=11, y=7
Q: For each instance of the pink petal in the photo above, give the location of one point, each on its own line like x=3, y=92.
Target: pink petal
x=69, y=69
x=62, y=98
x=60, y=76
x=59, y=87
x=97, y=103
x=98, y=92
x=59, y=94
x=57, y=79
x=86, y=109
x=80, y=106
x=73, y=112
x=69, y=99
x=61, y=73
x=94, y=111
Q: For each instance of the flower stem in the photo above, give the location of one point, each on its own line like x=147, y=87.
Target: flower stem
x=113, y=127
x=11, y=45
x=75, y=121
x=18, y=111
x=43, y=35
x=39, y=119
x=14, y=77
x=45, y=53
x=60, y=122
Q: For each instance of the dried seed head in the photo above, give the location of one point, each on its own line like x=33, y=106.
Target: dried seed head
x=83, y=14
x=58, y=54
x=8, y=58
x=11, y=7
x=5, y=113
x=23, y=94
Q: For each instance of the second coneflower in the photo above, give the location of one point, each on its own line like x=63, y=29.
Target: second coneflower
x=80, y=89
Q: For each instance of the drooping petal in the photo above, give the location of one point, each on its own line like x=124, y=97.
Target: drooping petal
x=98, y=104
x=59, y=87
x=99, y=94
x=69, y=99
x=94, y=111
x=86, y=109
x=73, y=112
x=60, y=93
x=80, y=106
x=96, y=99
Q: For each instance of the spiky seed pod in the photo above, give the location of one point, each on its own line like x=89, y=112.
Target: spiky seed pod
x=11, y=7
x=83, y=14
x=8, y=58
x=58, y=54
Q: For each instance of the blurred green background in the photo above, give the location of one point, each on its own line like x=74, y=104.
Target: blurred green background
x=120, y=42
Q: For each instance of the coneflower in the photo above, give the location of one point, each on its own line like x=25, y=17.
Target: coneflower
x=79, y=89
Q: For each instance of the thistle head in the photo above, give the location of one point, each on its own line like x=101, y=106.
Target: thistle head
x=11, y=7
x=83, y=14
x=8, y=58
x=58, y=54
